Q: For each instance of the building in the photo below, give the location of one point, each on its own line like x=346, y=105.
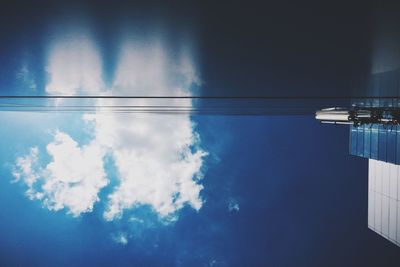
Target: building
x=381, y=146
x=375, y=135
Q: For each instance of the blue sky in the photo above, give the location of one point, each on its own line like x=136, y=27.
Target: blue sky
x=287, y=206
x=157, y=190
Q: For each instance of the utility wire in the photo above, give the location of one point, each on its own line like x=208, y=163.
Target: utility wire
x=207, y=105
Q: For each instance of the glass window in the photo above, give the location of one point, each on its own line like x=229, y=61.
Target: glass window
x=382, y=141
x=360, y=141
x=374, y=142
x=391, y=145
x=353, y=140
x=367, y=141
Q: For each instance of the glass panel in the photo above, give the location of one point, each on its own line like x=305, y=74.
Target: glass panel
x=353, y=140
x=367, y=141
x=382, y=143
x=397, y=145
x=391, y=145
x=360, y=141
x=374, y=142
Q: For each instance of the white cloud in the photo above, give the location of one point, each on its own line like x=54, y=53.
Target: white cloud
x=152, y=153
x=157, y=157
x=120, y=238
x=155, y=163
x=71, y=180
x=74, y=66
x=233, y=205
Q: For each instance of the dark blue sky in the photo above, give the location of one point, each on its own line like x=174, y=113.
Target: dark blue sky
x=270, y=48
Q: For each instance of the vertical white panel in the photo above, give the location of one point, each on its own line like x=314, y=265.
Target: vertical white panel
x=398, y=182
x=378, y=213
x=393, y=181
x=378, y=177
x=385, y=216
x=383, y=199
x=371, y=219
x=398, y=223
x=371, y=174
x=385, y=178
x=393, y=219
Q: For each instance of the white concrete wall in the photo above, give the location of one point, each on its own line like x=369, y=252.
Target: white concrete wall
x=384, y=199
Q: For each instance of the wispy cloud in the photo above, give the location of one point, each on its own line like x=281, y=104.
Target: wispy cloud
x=26, y=77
